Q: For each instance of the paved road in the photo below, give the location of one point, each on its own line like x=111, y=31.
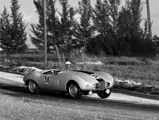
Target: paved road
x=16, y=103
x=114, y=96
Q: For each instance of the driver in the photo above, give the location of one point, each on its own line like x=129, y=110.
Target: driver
x=68, y=64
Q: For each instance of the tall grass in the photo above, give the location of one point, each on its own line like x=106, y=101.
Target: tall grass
x=135, y=68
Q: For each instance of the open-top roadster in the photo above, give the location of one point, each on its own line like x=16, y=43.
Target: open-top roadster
x=74, y=82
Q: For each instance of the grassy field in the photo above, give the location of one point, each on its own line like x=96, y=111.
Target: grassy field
x=145, y=70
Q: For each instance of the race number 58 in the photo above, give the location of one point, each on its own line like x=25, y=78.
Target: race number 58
x=46, y=79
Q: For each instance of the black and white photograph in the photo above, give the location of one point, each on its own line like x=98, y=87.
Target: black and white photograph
x=79, y=59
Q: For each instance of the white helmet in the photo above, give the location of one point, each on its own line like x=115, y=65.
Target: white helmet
x=68, y=63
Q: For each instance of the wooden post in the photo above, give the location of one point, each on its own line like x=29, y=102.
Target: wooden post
x=45, y=37
x=58, y=55
x=149, y=18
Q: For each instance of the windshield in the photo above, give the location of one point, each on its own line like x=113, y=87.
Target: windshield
x=51, y=71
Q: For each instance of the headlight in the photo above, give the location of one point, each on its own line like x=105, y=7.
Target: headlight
x=96, y=76
x=92, y=86
x=96, y=85
x=99, y=85
x=107, y=84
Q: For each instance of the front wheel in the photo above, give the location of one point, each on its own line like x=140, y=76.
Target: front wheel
x=104, y=94
x=33, y=87
x=74, y=91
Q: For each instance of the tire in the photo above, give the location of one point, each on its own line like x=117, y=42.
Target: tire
x=33, y=87
x=74, y=91
x=103, y=94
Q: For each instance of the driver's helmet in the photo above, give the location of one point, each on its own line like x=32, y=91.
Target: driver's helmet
x=68, y=64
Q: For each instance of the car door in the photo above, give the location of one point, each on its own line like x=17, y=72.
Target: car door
x=44, y=82
x=54, y=82
x=50, y=81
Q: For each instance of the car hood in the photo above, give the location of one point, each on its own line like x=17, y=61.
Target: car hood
x=85, y=75
x=106, y=76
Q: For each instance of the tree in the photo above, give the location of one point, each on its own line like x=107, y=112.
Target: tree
x=18, y=26
x=131, y=34
x=52, y=24
x=136, y=32
x=135, y=9
x=12, y=27
x=124, y=31
x=37, y=30
x=5, y=29
x=101, y=18
x=84, y=30
x=105, y=16
x=156, y=42
x=67, y=22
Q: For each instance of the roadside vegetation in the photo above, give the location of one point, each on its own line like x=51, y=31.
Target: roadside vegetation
x=131, y=73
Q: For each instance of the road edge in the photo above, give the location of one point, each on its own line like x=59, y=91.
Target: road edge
x=137, y=94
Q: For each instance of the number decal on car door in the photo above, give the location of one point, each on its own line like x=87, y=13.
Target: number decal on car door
x=46, y=79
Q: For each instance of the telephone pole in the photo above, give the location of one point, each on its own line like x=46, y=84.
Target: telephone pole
x=45, y=37
x=127, y=4
x=149, y=18
x=148, y=15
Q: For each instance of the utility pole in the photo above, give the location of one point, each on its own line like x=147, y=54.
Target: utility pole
x=45, y=37
x=127, y=4
x=149, y=18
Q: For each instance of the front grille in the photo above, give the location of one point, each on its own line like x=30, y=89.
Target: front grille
x=102, y=84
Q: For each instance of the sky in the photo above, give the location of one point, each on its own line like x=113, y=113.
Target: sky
x=30, y=17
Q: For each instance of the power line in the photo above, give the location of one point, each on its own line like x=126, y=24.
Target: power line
x=148, y=17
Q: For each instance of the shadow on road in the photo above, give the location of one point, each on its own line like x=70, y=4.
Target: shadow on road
x=13, y=88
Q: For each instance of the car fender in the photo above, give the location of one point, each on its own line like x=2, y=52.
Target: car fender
x=81, y=82
x=107, y=77
x=33, y=75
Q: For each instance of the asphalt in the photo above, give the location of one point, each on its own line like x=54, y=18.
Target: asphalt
x=117, y=94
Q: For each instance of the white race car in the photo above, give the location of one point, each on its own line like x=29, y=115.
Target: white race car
x=74, y=82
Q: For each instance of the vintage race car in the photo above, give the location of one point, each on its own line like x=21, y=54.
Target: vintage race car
x=74, y=82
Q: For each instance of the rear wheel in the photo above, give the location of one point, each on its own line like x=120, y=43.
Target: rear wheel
x=74, y=90
x=33, y=87
x=104, y=93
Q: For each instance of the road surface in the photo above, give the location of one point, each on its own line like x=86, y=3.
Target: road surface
x=17, y=104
